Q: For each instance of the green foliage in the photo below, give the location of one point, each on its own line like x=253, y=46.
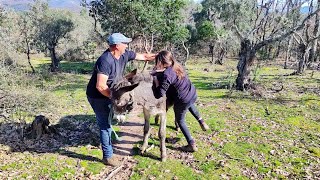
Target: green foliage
x=74, y=54
x=10, y=38
x=229, y=12
x=207, y=30
x=54, y=26
x=179, y=35
x=82, y=41
x=160, y=18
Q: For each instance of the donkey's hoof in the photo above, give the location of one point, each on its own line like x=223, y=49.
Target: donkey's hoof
x=142, y=151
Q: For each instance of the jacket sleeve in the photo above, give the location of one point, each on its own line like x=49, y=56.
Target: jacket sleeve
x=164, y=84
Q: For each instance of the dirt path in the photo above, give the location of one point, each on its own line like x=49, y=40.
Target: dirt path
x=131, y=133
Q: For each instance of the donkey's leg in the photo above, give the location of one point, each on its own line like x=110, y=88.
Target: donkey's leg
x=156, y=119
x=162, y=137
x=146, y=131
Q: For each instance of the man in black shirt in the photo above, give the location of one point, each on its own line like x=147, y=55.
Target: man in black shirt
x=108, y=69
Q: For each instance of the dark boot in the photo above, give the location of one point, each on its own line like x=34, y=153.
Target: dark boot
x=203, y=125
x=189, y=148
x=111, y=161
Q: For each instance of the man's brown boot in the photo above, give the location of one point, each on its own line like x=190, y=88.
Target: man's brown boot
x=111, y=161
x=203, y=125
x=189, y=148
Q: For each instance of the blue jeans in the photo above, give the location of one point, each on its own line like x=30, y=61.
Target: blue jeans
x=104, y=113
x=180, y=110
x=194, y=111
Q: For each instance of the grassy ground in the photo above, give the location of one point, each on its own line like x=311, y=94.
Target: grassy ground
x=257, y=134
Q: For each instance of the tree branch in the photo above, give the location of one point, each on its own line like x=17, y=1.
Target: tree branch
x=295, y=38
x=238, y=33
x=282, y=36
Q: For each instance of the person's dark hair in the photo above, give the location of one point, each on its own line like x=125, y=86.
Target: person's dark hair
x=166, y=59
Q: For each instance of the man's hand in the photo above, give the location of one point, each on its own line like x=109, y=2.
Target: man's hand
x=150, y=57
x=145, y=56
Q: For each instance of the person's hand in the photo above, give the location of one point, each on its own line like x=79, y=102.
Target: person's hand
x=150, y=56
x=160, y=70
x=155, y=71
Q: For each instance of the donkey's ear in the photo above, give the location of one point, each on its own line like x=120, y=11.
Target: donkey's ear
x=129, y=88
x=131, y=74
x=125, y=89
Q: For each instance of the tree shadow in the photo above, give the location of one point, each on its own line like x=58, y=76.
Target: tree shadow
x=211, y=83
x=71, y=131
x=129, y=134
x=79, y=84
x=82, y=67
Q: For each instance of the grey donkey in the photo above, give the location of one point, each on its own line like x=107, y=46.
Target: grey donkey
x=137, y=89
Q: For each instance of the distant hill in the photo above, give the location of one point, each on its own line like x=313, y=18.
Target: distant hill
x=21, y=5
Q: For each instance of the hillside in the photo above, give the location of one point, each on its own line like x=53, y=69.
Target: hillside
x=21, y=5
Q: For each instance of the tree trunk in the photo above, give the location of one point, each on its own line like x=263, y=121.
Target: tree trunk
x=246, y=58
x=146, y=43
x=54, y=60
x=187, y=53
x=211, y=47
x=302, y=58
x=277, y=52
x=313, y=50
x=221, y=56
x=39, y=127
x=28, y=55
x=288, y=53
x=269, y=49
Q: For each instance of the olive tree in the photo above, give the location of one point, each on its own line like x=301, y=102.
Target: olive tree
x=55, y=25
x=257, y=24
x=28, y=32
x=157, y=20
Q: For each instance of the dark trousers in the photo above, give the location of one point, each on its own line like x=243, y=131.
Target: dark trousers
x=104, y=113
x=180, y=110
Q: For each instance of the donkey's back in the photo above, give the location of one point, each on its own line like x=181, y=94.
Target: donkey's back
x=144, y=96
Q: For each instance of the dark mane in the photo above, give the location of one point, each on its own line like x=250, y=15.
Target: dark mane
x=146, y=77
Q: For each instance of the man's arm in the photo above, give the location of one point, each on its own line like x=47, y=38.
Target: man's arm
x=102, y=85
x=145, y=56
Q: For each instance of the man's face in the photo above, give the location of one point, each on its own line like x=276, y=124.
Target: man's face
x=122, y=47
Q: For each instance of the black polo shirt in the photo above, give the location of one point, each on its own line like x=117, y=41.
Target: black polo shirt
x=114, y=68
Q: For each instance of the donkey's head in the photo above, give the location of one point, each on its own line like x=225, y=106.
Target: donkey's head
x=123, y=96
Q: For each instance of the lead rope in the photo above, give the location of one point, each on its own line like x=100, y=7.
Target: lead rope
x=144, y=66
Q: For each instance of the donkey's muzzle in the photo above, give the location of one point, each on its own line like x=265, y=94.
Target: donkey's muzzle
x=129, y=106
